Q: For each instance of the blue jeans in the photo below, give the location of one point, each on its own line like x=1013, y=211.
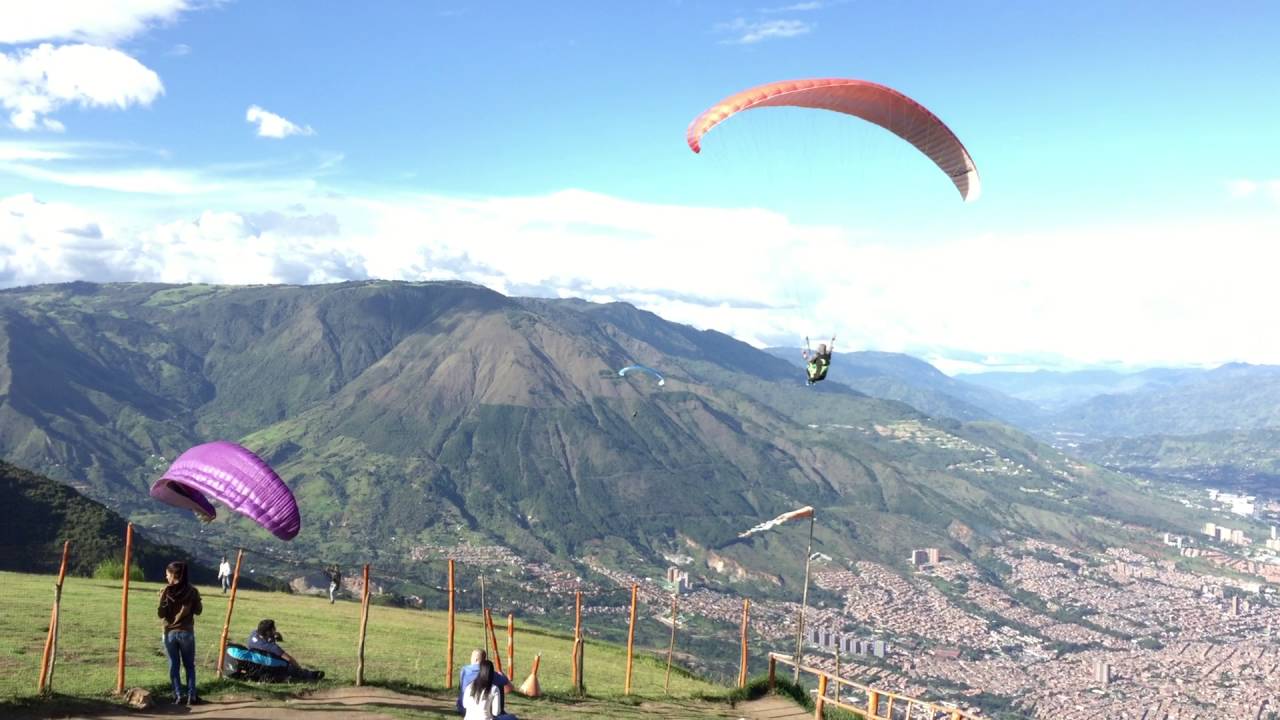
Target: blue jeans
x=181, y=645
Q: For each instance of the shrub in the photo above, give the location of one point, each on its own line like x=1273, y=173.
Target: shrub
x=113, y=569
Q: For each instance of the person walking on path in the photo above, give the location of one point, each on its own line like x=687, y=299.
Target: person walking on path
x=224, y=574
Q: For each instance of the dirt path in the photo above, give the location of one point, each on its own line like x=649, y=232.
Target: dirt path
x=371, y=703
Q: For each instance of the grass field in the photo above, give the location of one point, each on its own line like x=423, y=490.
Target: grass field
x=405, y=649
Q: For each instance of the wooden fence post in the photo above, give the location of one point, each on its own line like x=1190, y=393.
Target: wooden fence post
x=231, y=604
x=821, y=699
x=578, y=645
x=631, y=640
x=364, y=623
x=580, y=665
x=873, y=703
x=773, y=673
x=124, y=609
x=47, y=660
x=746, y=615
x=496, y=658
x=448, y=663
x=666, y=682
x=511, y=646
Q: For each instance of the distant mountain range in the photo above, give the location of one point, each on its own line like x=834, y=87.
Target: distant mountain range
x=894, y=376
x=404, y=414
x=1215, y=426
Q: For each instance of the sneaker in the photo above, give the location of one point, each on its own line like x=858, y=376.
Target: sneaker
x=319, y=675
x=179, y=700
x=194, y=701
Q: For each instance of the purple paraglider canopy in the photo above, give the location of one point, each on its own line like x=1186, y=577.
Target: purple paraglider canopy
x=234, y=476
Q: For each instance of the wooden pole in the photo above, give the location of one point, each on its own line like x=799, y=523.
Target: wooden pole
x=484, y=612
x=577, y=642
x=489, y=631
x=124, y=609
x=231, y=605
x=821, y=699
x=804, y=602
x=631, y=640
x=448, y=663
x=511, y=646
x=579, y=665
x=364, y=623
x=773, y=673
x=671, y=648
x=742, y=668
x=51, y=639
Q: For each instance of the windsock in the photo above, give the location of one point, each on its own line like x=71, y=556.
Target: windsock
x=530, y=686
x=802, y=513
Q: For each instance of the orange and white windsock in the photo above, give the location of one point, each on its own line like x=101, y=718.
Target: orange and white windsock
x=802, y=513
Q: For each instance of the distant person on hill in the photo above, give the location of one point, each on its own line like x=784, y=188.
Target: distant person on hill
x=335, y=581
x=483, y=698
x=224, y=574
x=179, y=604
x=267, y=639
x=468, y=675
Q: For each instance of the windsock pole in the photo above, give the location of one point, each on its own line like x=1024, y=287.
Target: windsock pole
x=448, y=663
x=124, y=610
x=231, y=605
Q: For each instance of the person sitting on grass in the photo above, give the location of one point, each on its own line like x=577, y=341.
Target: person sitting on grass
x=468, y=675
x=267, y=639
x=483, y=699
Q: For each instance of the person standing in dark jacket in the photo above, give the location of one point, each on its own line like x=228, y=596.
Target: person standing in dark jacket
x=179, y=605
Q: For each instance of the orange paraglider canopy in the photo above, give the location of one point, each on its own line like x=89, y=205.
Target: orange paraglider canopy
x=870, y=101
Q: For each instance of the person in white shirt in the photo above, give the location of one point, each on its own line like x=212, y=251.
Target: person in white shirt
x=224, y=574
x=483, y=699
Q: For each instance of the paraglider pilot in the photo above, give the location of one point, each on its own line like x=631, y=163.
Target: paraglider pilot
x=819, y=362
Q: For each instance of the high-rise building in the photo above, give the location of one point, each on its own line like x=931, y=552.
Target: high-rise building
x=919, y=557
x=878, y=648
x=1102, y=671
x=1235, y=606
x=934, y=555
x=1274, y=535
x=1211, y=530
x=677, y=580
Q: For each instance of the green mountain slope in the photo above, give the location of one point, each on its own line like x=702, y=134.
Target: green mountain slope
x=1247, y=460
x=404, y=414
x=40, y=514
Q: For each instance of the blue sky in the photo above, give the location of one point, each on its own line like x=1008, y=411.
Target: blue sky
x=1128, y=150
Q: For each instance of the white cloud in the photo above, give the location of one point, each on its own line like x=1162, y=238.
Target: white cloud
x=1244, y=188
x=36, y=82
x=1184, y=294
x=747, y=32
x=794, y=7
x=95, y=21
x=21, y=151
x=272, y=125
x=149, y=181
